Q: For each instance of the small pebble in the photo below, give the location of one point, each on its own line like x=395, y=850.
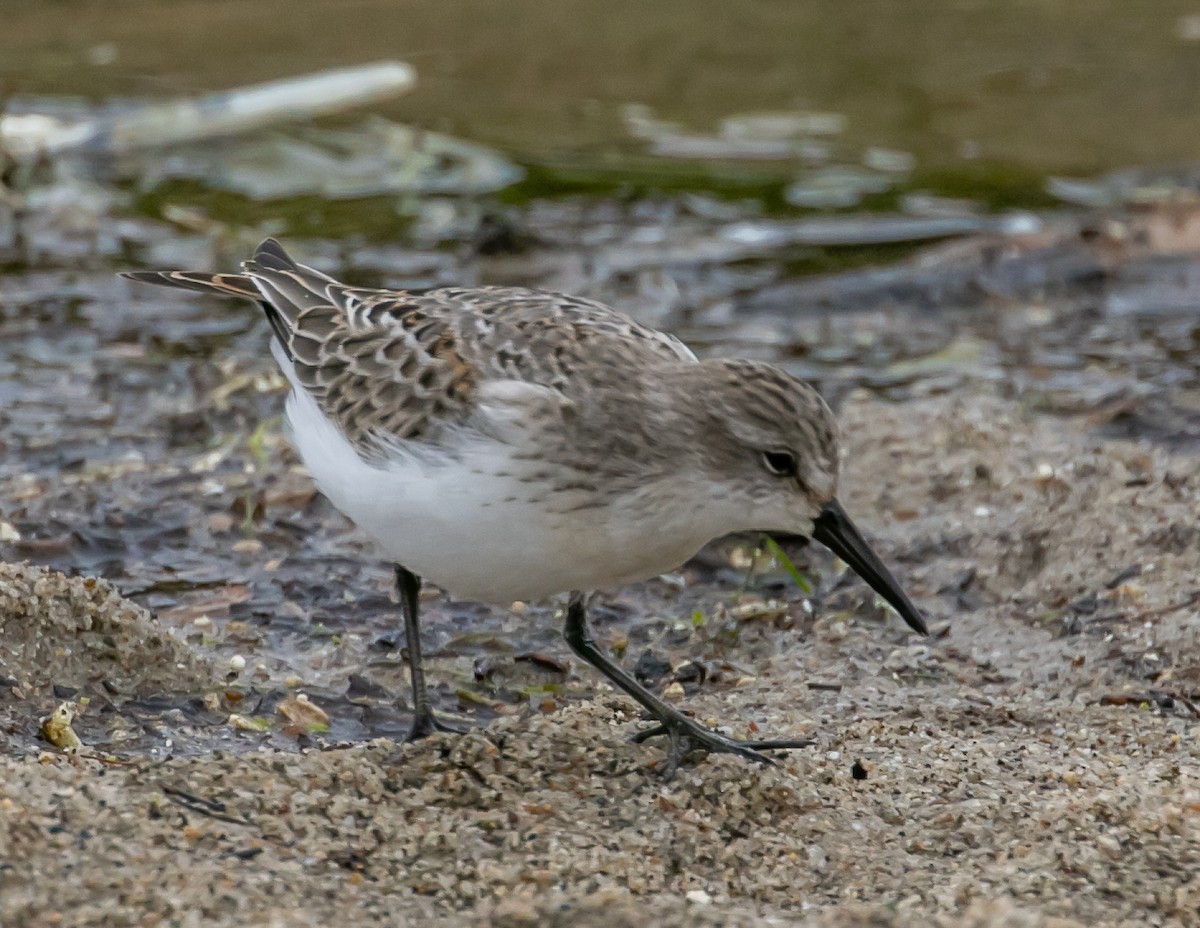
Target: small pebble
x=237, y=663
x=1109, y=846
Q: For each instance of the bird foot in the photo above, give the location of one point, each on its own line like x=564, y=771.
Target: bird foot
x=687, y=735
x=426, y=723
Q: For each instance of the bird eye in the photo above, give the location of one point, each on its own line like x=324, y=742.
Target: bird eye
x=780, y=463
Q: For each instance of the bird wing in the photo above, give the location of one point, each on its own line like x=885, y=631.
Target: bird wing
x=389, y=366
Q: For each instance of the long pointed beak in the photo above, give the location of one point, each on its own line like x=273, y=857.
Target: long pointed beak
x=835, y=531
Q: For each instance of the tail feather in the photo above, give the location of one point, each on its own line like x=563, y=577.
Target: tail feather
x=272, y=279
x=201, y=281
x=269, y=260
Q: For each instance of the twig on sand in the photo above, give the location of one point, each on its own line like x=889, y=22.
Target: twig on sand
x=1160, y=698
x=208, y=807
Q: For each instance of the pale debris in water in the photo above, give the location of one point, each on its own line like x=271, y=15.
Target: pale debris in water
x=889, y=160
x=376, y=158
x=121, y=128
x=782, y=125
x=930, y=205
x=836, y=187
x=1137, y=186
x=779, y=136
x=767, y=234
x=1187, y=28
x=102, y=55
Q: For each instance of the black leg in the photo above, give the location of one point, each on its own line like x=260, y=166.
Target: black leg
x=424, y=723
x=685, y=734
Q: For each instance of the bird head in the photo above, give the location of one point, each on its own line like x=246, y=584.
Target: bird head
x=768, y=443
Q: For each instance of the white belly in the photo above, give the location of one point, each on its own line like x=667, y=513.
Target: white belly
x=483, y=536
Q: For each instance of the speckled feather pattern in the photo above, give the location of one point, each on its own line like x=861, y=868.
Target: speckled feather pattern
x=395, y=365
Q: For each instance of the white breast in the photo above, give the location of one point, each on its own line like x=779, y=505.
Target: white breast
x=470, y=524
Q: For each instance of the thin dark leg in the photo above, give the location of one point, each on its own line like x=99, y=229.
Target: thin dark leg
x=684, y=733
x=424, y=723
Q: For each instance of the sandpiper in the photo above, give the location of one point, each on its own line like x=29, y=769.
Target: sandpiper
x=510, y=444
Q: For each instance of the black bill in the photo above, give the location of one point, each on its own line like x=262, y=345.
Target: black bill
x=835, y=531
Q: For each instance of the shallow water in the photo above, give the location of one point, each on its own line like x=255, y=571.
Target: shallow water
x=1063, y=86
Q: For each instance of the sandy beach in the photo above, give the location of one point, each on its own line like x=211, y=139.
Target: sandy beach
x=1032, y=764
